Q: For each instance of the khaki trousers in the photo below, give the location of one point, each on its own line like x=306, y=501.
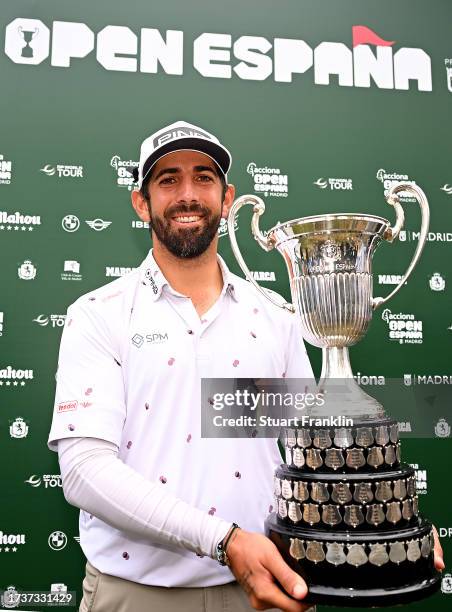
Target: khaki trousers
x=105, y=593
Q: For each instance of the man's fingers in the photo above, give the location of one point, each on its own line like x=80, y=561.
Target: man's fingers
x=437, y=551
x=272, y=597
x=291, y=582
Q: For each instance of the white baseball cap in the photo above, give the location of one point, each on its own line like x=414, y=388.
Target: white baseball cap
x=180, y=136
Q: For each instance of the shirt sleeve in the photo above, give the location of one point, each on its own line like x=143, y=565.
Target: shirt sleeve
x=297, y=359
x=89, y=398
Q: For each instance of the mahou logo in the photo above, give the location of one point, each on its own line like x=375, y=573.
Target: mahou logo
x=372, y=61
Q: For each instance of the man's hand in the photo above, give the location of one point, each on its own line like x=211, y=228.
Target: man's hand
x=438, y=552
x=256, y=563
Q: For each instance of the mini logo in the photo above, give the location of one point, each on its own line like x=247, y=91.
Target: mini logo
x=407, y=380
x=63, y=170
x=70, y=223
x=50, y=481
x=27, y=270
x=71, y=271
x=269, y=181
x=55, y=320
x=57, y=540
x=447, y=188
x=344, y=184
x=5, y=171
x=437, y=282
x=117, y=271
x=446, y=581
x=442, y=429
x=2, y=322
x=330, y=250
x=98, y=224
x=124, y=175
x=10, y=598
x=18, y=428
x=392, y=178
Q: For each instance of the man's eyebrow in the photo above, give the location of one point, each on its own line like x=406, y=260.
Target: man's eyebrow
x=176, y=170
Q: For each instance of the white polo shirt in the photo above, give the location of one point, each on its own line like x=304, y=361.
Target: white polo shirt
x=132, y=356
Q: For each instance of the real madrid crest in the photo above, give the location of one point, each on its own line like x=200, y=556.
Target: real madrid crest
x=437, y=282
x=442, y=429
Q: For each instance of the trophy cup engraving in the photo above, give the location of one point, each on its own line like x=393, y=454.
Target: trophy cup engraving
x=355, y=533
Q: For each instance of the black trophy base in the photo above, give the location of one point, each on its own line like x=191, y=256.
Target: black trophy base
x=347, y=585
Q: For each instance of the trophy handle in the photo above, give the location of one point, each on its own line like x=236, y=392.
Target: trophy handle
x=392, y=232
x=266, y=243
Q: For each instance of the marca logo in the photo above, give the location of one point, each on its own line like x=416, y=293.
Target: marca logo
x=50, y=481
x=263, y=276
x=334, y=183
x=370, y=62
x=55, y=320
x=9, y=377
x=71, y=271
x=403, y=327
x=406, y=235
x=16, y=221
x=421, y=479
x=5, y=171
x=115, y=271
x=363, y=379
x=124, y=176
x=392, y=178
x=390, y=279
x=63, y=171
x=269, y=181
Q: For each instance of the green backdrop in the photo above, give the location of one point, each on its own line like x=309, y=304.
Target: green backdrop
x=284, y=87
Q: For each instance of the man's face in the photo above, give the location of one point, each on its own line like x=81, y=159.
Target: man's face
x=185, y=202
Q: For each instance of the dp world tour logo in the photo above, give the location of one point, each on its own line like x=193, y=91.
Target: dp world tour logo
x=370, y=61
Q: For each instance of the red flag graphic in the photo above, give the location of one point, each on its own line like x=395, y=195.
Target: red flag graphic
x=362, y=35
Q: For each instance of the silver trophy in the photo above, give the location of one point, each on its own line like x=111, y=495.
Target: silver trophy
x=355, y=533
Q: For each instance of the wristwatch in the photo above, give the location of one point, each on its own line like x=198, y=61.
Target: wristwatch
x=221, y=554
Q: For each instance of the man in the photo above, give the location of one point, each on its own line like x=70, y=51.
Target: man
x=158, y=502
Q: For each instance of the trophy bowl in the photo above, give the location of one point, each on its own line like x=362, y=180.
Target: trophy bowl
x=347, y=516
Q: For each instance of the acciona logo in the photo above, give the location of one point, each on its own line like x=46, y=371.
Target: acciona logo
x=371, y=62
x=124, y=176
x=12, y=377
x=269, y=181
x=403, y=327
x=392, y=178
x=18, y=221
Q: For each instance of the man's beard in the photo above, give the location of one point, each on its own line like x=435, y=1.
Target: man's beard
x=186, y=243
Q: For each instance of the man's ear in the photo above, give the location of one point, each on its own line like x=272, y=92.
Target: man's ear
x=140, y=205
x=228, y=201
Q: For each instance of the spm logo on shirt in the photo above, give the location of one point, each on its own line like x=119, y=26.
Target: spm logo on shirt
x=154, y=338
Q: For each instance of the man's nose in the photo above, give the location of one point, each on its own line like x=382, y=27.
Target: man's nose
x=187, y=190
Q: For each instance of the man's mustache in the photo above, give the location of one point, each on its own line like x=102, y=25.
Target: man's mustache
x=187, y=209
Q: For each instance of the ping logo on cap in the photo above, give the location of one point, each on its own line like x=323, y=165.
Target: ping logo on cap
x=169, y=135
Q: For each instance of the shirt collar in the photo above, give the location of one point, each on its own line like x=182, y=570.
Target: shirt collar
x=152, y=277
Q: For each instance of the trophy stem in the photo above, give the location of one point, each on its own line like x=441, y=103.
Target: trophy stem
x=343, y=395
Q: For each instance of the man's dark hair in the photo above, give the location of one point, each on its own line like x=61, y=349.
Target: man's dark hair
x=144, y=187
